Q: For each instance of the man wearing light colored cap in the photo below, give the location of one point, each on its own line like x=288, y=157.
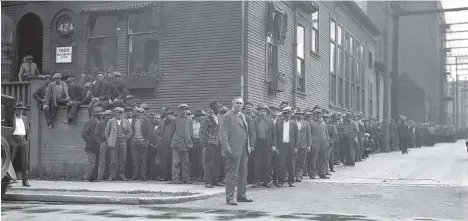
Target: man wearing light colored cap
x=181, y=145
x=118, y=131
x=304, y=144
x=139, y=144
x=56, y=94
x=92, y=147
x=117, y=89
x=28, y=69
x=100, y=93
x=287, y=141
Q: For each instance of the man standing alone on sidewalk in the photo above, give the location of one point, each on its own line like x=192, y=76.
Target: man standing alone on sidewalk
x=235, y=141
x=118, y=131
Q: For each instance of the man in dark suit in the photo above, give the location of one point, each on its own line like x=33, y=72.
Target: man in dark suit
x=92, y=144
x=19, y=143
x=287, y=141
x=305, y=141
x=235, y=140
x=403, y=133
x=265, y=144
x=139, y=144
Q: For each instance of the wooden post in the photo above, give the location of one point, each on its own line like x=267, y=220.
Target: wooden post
x=34, y=118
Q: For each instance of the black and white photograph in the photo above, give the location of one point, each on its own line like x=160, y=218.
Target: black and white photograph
x=243, y=110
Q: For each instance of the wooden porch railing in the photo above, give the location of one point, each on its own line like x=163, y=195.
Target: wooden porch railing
x=19, y=90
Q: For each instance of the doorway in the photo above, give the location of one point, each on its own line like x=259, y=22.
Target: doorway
x=30, y=34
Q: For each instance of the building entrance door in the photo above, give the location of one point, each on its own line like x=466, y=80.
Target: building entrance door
x=30, y=34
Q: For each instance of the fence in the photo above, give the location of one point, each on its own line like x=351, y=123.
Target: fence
x=19, y=90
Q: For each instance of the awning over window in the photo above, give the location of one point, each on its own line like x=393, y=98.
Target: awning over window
x=118, y=6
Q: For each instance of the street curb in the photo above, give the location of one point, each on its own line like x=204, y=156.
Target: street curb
x=106, y=199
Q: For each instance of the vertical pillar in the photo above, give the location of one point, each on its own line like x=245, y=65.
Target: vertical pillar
x=34, y=118
x=395, y=71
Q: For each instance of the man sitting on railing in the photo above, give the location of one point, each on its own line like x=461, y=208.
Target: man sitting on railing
x=40, y=92
x=100, y=95
x=56, y=94
x=76, y=99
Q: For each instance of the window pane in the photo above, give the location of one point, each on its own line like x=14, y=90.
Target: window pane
x=340, y=35
x=300, y=41
x=332, y=57
x=102, y=53
x=347, y=42
x=340, y=91
x=363, y=98
x=357, y=71
x=362, y=53
x=270, y=62
x=315, y=20
x=314, y=43
x=332, y=30
x=301, y=75
x=299, y=67
x=142, y=22
x=103, y=26
x=333, y=88
x=347, y=94
x=351, y=46
x=358, y=101
x=346, y=67
x=339, y=59
x=143, y=54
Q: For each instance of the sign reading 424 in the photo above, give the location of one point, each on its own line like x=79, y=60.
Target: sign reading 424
x=65, y=27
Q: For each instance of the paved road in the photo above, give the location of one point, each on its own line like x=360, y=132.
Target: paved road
x=429, y=183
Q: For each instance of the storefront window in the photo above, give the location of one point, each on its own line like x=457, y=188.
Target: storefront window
x=143, y=51
x=102, y=44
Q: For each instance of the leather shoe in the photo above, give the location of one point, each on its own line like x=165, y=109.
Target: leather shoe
x=219, y=184
x=123, y=178
x=291, y=185
x=267, y=185
x=244, y=200
x=298, y=180
x=110, y=178
x=26, y=183
x=324, y=177
x=232, y=203
x=134, y=178
x=279, y=184
x=332, y=170
x=328, y=174
x=208, y=186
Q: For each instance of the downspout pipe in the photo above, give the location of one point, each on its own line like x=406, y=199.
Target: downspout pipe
x=294, y=57
x=242, y=54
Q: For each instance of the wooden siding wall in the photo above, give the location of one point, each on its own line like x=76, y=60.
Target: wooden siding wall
x=199, y=54
x=317, y=79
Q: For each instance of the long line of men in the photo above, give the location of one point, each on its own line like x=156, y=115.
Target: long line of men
x=183, y=147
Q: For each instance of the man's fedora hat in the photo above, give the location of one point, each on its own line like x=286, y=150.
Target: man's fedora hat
x=20, y=105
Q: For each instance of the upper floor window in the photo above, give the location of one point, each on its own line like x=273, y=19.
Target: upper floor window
x=315, y=32
x=300, y=59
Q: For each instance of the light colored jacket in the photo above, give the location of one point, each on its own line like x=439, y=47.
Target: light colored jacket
x=233, y=134
x=111, y=131
x=51, y=92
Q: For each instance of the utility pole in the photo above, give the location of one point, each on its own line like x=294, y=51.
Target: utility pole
x=386, y=92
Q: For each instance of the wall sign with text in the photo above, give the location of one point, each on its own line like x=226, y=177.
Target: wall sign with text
x=63, y=55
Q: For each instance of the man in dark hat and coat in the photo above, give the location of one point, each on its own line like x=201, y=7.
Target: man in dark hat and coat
x=39, y=94
x=164, y=134
x=195, y=154
x=304, y=143
x=92, y=144
x=181, y=145
x=265, y=146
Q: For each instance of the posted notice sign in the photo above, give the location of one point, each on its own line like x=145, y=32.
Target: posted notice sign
x=64, y=55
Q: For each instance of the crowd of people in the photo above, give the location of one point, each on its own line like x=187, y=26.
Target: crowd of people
x=125, y=140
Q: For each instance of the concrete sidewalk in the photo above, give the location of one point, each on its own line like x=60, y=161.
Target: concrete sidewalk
x=115, y=192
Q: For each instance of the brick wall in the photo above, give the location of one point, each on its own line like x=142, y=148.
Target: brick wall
x=63, y=143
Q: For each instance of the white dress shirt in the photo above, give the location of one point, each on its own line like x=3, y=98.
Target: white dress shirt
x=299, y=125
x=20, y=129
x=286, y=131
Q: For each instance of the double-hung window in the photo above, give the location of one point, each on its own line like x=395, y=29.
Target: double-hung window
x=333, y=68
x=314, y=46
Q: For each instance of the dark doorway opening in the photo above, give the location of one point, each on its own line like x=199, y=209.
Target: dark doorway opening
x=30, y=34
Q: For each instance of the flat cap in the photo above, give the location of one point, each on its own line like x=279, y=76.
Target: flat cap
x=57, y=75
x=70, y=79
x=287, y=109
x=262, y=106
x=97, y=110
x=88, y=84
x=139, y=110
x=117, y=73
x=200, y=113
x=184, y=106
x=107, y=112
x=118, y=109
x=129, y=109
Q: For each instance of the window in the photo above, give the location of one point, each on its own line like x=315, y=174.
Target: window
x=300, y=59
x=315, y=33
x=272, y=61
x=333, y=61
x=370, y=99
x=143, y=43
x=102, y=44
x=371, y=59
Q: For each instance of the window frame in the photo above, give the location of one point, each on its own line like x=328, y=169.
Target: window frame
x=301, y=78
x=129, y=37
x=90, y=38
x=333, y=61
x=315, y=32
